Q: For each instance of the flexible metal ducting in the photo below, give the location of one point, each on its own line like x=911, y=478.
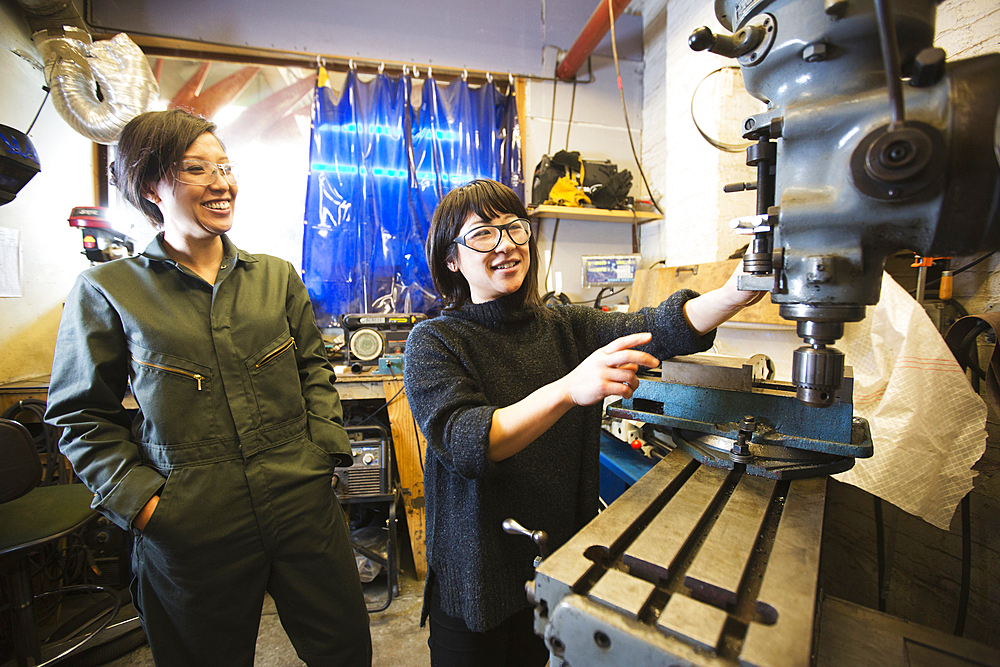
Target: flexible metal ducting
x=97, y=87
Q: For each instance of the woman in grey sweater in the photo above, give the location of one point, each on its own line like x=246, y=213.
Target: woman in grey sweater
x=508, y=394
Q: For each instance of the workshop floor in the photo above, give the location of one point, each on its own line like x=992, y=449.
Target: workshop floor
x=397, y=638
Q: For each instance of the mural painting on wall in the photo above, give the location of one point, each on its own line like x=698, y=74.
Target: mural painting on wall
x=263, y=114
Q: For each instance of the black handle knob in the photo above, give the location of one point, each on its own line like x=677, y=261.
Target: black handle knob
x=731, y=46
x=539, y=537
x=701, y=39
x=927, y=68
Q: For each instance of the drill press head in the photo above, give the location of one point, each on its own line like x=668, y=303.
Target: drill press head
x=873, y=155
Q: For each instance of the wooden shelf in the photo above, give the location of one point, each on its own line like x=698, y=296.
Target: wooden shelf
x=592, y=214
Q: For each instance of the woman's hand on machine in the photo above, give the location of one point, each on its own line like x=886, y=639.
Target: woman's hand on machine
x=711, y=309
x=741, y=298
x=610, y=371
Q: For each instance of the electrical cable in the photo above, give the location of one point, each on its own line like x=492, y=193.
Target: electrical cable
x=600, y=295
x=628, y=127
x=47, y=90
x=552, y=254
x=636, y=237
x=552, y=119
x=380, y=408
x=37, y=113
x=46, y=442
x=413, y=420
x=964, y=354
x=972, y=264
x=416, y=434
x=880, y=551
x=572, y=106
x=963, y=596
x=964, y=268
x=958, y=271
x=722, y=146
x=384, y=406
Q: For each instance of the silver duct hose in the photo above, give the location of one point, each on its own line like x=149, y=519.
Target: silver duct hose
x=96, y=87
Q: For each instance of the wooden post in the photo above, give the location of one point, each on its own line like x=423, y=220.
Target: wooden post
x=410, y=448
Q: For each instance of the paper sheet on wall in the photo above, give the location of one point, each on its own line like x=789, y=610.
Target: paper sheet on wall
x=10, y=262
x=928, y=425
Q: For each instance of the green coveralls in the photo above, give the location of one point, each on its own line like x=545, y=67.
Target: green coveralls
x=238, y=429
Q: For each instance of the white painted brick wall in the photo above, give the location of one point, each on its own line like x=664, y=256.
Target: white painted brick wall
x=968, y=28
x=598, y=132
x=686, y=172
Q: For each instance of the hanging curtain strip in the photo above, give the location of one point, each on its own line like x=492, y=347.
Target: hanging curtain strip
x=187, y=50
x=378, y=170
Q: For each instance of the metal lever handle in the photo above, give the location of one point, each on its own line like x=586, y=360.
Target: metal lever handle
x=731, y=46
x=539, y=537
x=739, y=187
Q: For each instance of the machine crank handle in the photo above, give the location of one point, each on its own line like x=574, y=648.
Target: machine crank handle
x=731, y=46
x=729, y=188
x=539, y=537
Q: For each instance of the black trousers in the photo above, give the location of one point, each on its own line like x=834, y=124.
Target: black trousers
x=512, y=644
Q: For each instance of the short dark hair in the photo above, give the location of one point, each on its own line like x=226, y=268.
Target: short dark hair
x=488, y=200
x=148, y=147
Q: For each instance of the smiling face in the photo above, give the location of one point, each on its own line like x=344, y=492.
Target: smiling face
x=196, y=212
x=493, y=274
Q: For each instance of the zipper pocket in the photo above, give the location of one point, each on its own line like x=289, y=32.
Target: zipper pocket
x=273, y=353
x=177, y=371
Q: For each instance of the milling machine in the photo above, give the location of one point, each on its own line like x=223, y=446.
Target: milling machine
x=872, y=142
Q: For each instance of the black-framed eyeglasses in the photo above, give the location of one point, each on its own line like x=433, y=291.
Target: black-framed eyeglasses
x=486, y=238
x=202, y=172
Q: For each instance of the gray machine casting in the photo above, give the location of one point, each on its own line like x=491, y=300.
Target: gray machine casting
x=854, y=162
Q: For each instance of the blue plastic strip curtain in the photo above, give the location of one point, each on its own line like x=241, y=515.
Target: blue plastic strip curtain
x=356, y=200
x=378, y=170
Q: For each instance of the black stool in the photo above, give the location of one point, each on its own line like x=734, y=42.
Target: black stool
x=29, y=518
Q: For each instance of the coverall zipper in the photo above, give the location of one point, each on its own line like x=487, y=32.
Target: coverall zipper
x=271, y=355
x=194, y=376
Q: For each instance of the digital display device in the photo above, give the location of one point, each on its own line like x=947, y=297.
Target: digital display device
x=609, y=270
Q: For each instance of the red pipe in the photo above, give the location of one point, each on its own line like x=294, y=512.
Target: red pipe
x=591, y=35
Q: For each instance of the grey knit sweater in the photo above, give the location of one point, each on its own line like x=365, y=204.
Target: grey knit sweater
x=462, y=366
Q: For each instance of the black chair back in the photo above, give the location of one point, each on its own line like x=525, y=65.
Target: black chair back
x=20, y=467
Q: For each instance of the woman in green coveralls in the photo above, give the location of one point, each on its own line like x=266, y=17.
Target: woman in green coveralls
x=508, y=394
x=224, y=473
